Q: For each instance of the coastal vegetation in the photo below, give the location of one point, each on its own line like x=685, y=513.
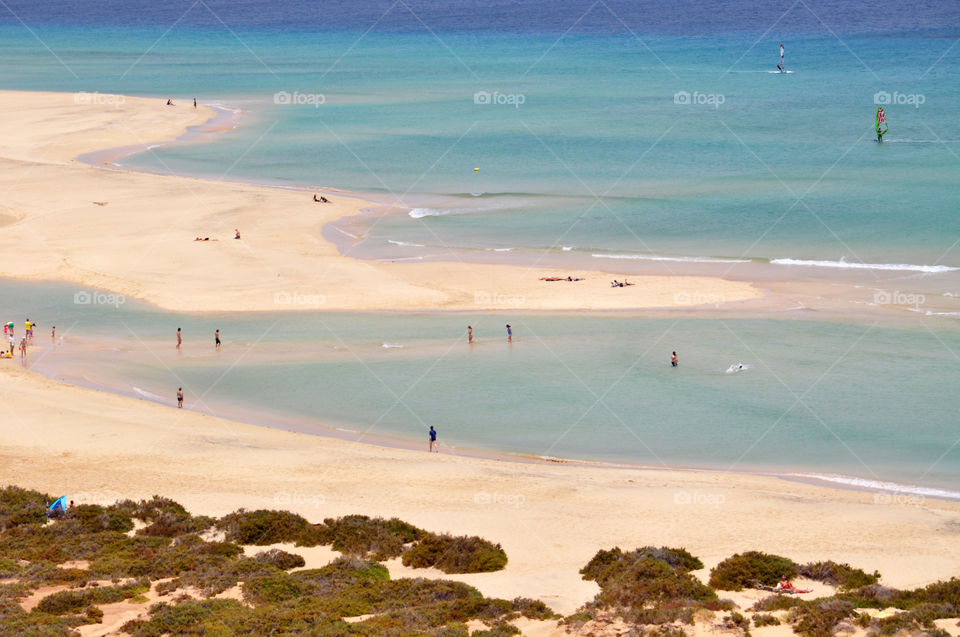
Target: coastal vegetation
x=192, y=575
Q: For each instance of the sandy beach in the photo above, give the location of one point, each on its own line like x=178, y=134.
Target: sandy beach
x=133, y=233
x=97, y=448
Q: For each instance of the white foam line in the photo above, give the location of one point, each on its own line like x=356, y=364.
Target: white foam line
x=643, y=257
x=907, y=267
x=879, y=485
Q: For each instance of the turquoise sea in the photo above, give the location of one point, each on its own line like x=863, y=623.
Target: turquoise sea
x=601, y=131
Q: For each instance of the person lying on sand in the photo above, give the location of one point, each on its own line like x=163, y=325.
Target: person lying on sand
x=784, y=586
x=205, y=239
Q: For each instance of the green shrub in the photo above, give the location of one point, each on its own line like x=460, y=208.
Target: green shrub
x=643, y=589
x=502, y=629
x=22, y=506
x=280, y=559
x=272, y=588
x=9, y=568
x=93, y=518
x=75, y=600
x=842, y=576
x=455, y=554
x=165, y=517
x=264, y=527
x=533, y=609
x=820, y=618
x=611, y=563
x=736, y=620
x=373, y=538
x=765, y=620
x=750, y=569
x=776, y=602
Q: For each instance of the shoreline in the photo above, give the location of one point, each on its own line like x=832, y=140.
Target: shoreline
x=276, y=421
x=97, y=447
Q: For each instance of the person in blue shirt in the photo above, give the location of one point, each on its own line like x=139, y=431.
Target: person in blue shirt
x=433, y=439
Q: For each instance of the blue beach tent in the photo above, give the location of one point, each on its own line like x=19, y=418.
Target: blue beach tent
x=59, y=506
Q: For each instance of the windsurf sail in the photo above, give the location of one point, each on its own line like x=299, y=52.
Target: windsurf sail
x=882, y=126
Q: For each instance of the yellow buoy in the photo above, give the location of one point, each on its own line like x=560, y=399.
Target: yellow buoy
x=475, y=169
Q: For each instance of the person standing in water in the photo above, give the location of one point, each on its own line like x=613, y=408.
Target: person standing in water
x=509, y=334
x=194, y=102
x=179, y=339
x=216, y=340
x=469, y=334
x=180, y=397
x=673, y=360
x=433, y=440
x=53, y=334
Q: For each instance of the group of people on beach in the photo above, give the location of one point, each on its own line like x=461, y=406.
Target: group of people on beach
x=10, y=332
x=216, y=346
x=320, y=199
x=170, y=102
x=470, y=334
x=620, y=284
x=236, y=235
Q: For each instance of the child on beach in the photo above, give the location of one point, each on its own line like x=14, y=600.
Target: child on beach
x=216, y=340
x=179, y=339
x=469, y=334
x=673, y=360
x=509, y=334
x=23, y=349
x=180, y=398
x=433, y=440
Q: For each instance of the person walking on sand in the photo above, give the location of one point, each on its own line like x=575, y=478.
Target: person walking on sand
x=216, y=340
x=23, y=349
x=180, y=398
x=194, y=102
x=29, y=326
x=469, y=334
x=12, y=343
x=509, y=334
x=433, y=440
x=673, y=360
x=179, y=339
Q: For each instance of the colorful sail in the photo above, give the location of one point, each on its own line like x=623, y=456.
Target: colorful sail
x=881, y=116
